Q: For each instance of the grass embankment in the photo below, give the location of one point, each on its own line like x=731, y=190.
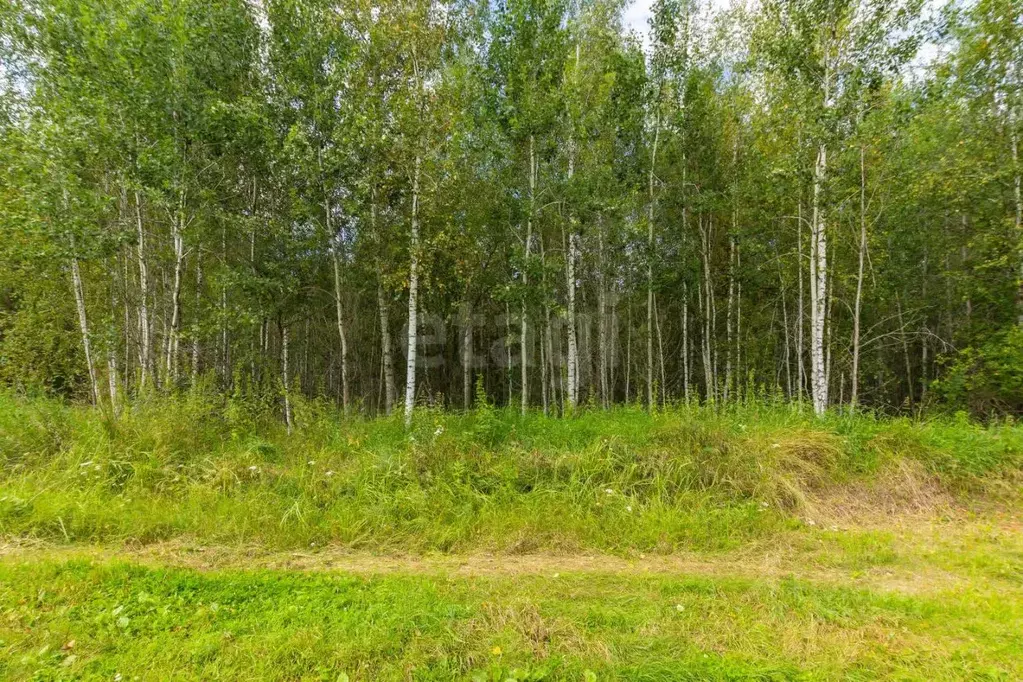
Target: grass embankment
x=690, y=478
x=190, y=540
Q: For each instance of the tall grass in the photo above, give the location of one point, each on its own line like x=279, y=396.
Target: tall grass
x=214, y=470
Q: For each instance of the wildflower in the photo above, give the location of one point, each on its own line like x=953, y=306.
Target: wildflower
x=680, y=608
x=628, y=507
x=765, y=505
x=440, y=430
x=311, y=462
x=496, y=651
x=253, y=468
x=329, y=473
x=609, y=491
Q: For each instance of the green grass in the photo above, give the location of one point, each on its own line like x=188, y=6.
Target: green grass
x=686, y=478
x=160, y=624
x=790, y=547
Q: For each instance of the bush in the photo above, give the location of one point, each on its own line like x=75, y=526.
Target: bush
x=988, y=379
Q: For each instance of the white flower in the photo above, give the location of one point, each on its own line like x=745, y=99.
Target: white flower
x=628, y=507
x=330, y=473
x=311, y=462
x=765, y=505
x=680, y=608
x=440, y=430
x=609, y=491
x=253, y=468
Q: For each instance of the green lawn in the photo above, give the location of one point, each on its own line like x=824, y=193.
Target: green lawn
x=155, y=623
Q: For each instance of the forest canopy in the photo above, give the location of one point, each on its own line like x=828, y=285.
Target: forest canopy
x=520, y=202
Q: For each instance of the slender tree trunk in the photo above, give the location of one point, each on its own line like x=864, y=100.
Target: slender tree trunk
x=819, y=267
x=342, y=334
x=413, y=301
x=787, y=334
x=738, y=322
x=466, y=355
x=923, y=339
x=828, y=329
x=524, y=335
x=800, y=312
x=385, y=351
x=508, y=349
x=145, y=339
x=650, y=263
x=857, y=305
x=285, y=381
x=708, y=315
x=195, y=335
x=685, y=341
x=573, y=348
x=338, y=307
x=1018, y=196
x=905, y=352
x=551, y=393
x=728, y=317
x=602, y=319
x=112, y=376
x=171, y=366
x=628, y=353
x=660, y=354
x=818, y=287
x=83, y=325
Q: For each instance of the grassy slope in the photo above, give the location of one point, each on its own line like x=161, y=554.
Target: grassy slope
x=625, y=481
x=805, y=569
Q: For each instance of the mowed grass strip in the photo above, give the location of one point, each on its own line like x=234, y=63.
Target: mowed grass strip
x=82, y=619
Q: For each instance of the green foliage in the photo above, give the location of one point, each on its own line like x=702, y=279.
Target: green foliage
x=987, y=380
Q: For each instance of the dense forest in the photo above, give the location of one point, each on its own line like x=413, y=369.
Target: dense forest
x=523, y=202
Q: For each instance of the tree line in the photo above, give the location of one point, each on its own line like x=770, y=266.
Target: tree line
x=519, y=201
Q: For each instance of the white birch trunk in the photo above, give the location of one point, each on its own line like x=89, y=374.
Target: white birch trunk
x=1018, y=196
x=385, y=350
x=650, y=263
x=413, y=301
x=573, y=348
x=854, y=394
x=145, y=338
x=285, y=376
x=818, y=287
x=195, y=335
x=342, y=335
x=602, y=321
x=524, y=333
x=728, y=318
x=83, y=325
x=466, y=355
x=171, y=366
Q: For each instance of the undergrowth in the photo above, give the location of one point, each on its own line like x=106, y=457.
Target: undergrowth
x=697, y=477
